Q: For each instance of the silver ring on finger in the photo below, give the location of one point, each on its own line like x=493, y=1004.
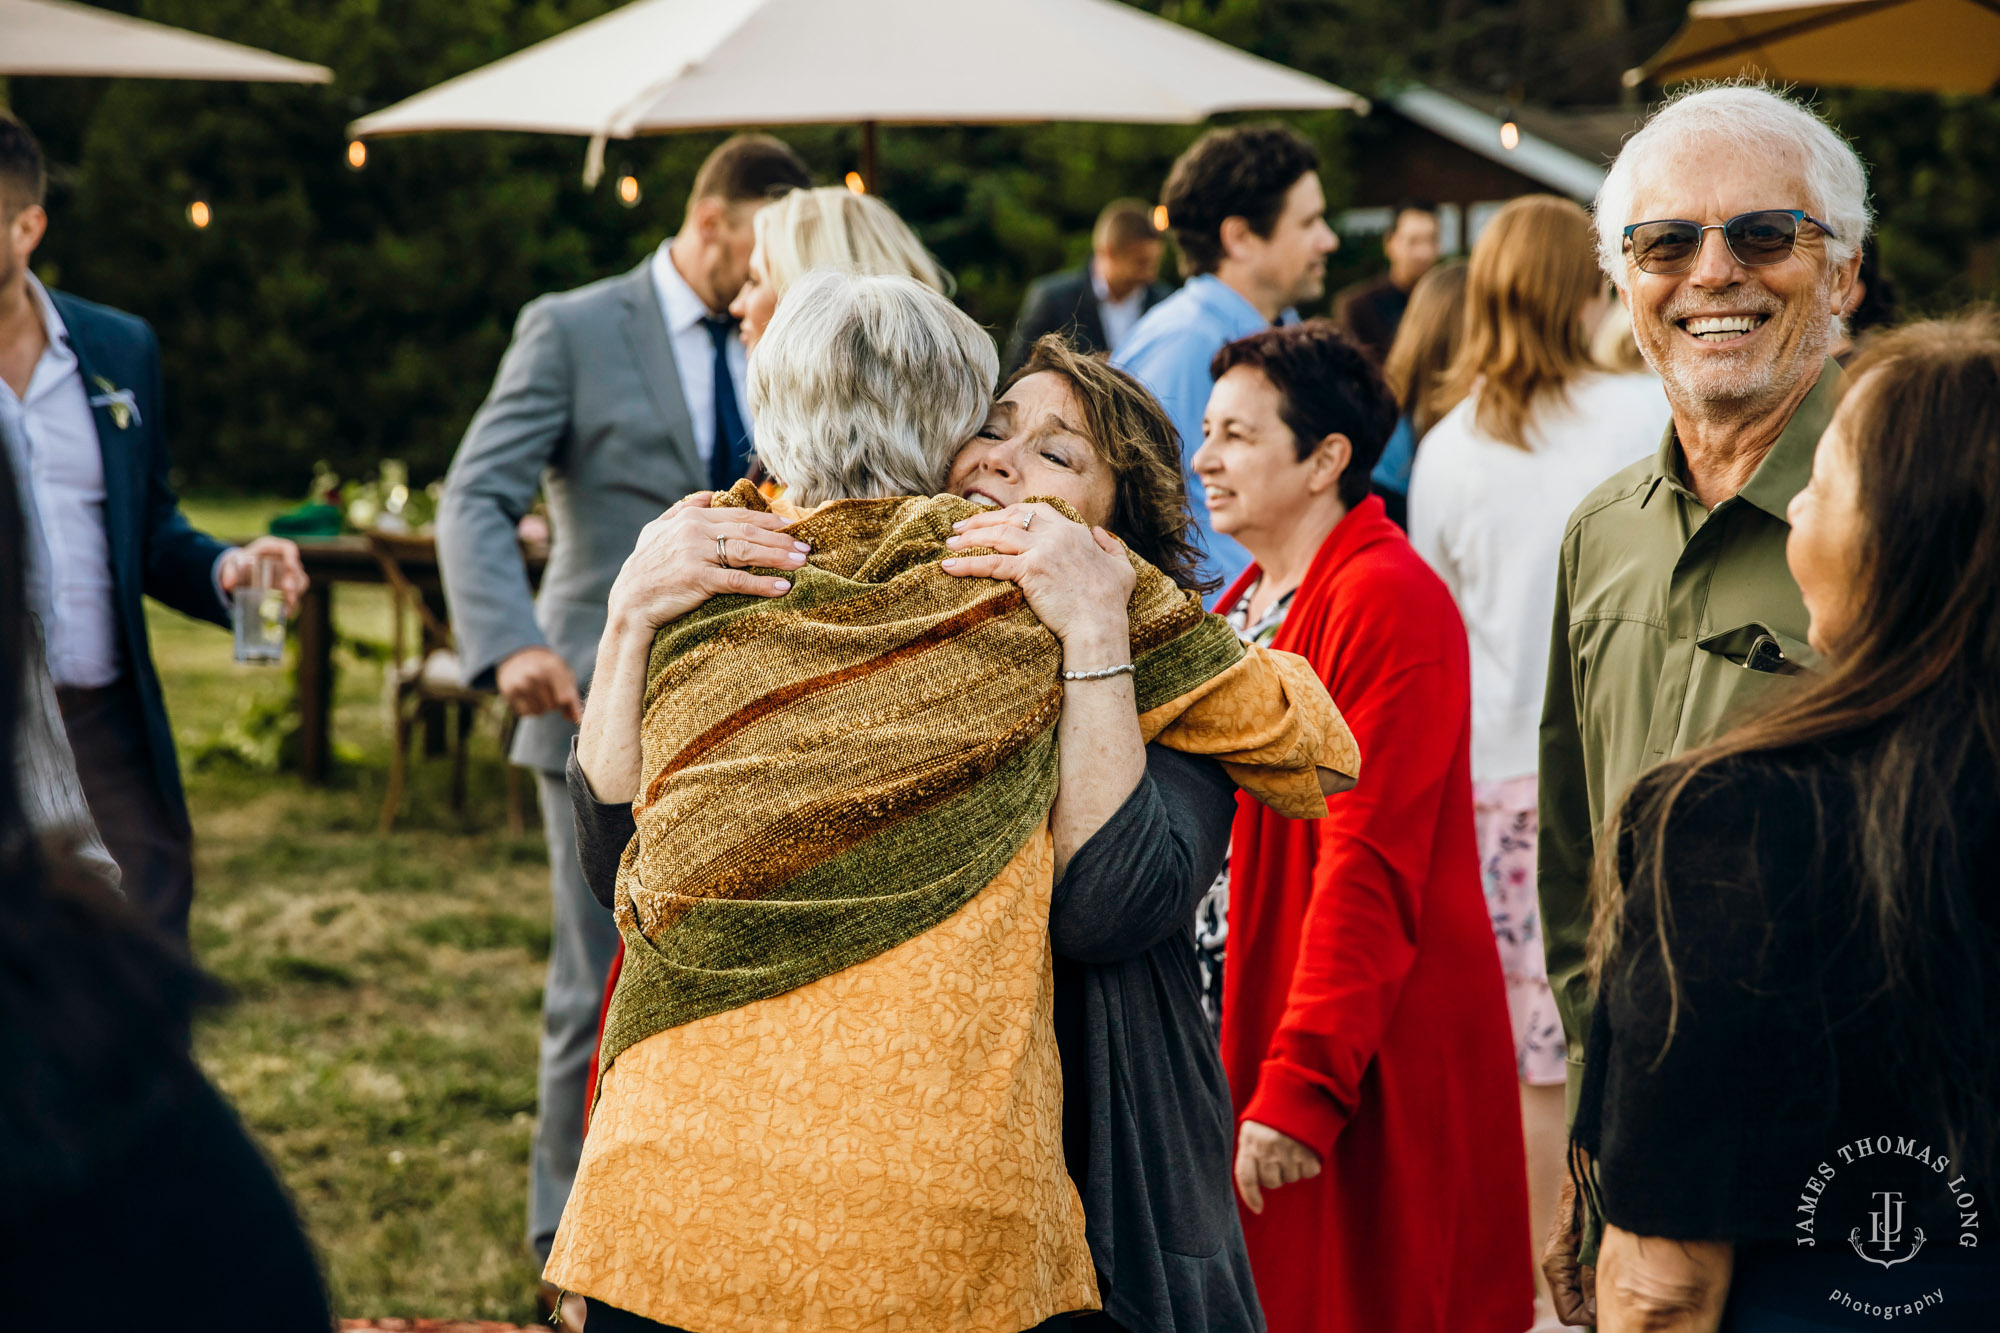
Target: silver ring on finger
x=1028, y=520
x=721, y=552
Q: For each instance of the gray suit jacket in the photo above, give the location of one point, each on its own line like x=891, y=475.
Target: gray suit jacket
x=587, y=401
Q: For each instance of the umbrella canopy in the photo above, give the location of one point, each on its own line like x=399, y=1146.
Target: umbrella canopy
x=659, y=65
x=56, y=37
x=1946, y=46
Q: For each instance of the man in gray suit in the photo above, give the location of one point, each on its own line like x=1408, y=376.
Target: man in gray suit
x=620, y=398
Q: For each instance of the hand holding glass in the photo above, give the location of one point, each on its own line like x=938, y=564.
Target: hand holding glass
x=258, y=610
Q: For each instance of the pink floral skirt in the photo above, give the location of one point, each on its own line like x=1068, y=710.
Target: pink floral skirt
x=1503, y=815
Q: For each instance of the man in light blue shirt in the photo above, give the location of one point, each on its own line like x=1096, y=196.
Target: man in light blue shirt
x=1248, y=212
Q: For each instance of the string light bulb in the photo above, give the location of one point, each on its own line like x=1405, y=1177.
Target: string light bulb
x=1510, y=133
x=357, y=154
x=855, y=183
x=1159, y=217
x=198, y=215
x=628, y=190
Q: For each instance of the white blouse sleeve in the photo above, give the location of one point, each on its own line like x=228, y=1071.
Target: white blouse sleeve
x=1432, y=503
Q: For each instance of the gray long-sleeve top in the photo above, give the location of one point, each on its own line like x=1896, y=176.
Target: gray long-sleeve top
x=1148, y=1131
x=45, y=768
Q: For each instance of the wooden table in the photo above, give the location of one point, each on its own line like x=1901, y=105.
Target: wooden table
x=332, y=560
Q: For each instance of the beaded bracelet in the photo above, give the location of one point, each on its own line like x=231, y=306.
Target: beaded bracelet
x=1102, y=673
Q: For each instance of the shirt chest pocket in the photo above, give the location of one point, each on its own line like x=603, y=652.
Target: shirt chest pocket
x=1738, y=672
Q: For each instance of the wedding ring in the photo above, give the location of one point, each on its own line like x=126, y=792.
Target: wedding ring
x=1028, y=520
x=721, y=552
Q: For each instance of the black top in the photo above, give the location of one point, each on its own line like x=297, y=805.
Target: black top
x=1066, y=303
x=190, y=1231
x=1747, y=1127
x=131, y=1199
x=1148, y=1131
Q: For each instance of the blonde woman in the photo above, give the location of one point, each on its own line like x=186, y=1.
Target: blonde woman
x=1536, y=426
x=830, y=227
x=1613, y=347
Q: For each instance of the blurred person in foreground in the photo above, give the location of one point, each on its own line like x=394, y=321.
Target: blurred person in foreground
x=830, y=227
x=1797, y=947
x=620, y=398
x=130, y=1195
x=1148, y=1134
x=1731, y=224
x=1537, y=426
x=81, y=405
x=830, y=1094
x=1097, y=305
x=44, y=765
x=1370, y=312
x=1426, y=343
x=1248, y=212
x=1364, y=1020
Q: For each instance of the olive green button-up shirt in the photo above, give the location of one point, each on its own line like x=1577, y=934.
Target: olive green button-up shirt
x=1671, y=621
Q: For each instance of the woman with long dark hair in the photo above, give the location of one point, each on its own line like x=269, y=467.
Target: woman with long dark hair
x=1792, y=1095
x=130, y=1196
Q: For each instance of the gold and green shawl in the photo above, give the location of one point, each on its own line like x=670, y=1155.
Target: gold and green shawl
x=831, y=773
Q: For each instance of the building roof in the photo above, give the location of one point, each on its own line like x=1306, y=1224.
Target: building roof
x=1566, y=152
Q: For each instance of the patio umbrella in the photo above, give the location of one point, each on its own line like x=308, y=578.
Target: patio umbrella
x=57, y=37
x=659, y=65
x=1945, y=46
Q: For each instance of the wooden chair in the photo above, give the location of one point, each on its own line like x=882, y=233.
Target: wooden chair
x=429, y=677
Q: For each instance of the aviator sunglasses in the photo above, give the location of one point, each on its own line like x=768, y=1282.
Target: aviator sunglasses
x=1756, y=239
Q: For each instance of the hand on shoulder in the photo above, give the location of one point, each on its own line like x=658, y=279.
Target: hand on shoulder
x=694, y=552
x=1077, y=579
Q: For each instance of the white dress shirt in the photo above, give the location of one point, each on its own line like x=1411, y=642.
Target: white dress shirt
x=694, y=349
x=1489, y=518
x=1118, y=317
x=65, y=483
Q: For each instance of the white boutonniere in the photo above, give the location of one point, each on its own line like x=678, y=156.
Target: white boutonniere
x=123, y=404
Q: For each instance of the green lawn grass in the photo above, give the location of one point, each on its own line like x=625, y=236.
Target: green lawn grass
x=382, y=1043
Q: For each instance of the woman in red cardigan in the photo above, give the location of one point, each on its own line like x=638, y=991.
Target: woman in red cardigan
x=1364, y=1018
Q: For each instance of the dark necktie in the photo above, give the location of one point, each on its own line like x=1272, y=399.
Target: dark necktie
x=730, y=458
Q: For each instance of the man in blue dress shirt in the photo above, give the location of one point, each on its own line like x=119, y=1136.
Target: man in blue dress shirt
x=1247, y=210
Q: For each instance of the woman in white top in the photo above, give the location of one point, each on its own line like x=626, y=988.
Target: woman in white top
x=1536, y=428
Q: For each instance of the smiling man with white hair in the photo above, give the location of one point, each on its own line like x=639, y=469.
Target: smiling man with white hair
x=1732, y=225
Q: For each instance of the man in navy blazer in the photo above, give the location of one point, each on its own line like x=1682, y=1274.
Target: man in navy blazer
x=81, y=410
x=1096, y=305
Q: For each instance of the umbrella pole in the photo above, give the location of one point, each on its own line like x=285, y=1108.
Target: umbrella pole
x=868, y=155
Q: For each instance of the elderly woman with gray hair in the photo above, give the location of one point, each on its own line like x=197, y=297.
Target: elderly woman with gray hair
x=830, y=1095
